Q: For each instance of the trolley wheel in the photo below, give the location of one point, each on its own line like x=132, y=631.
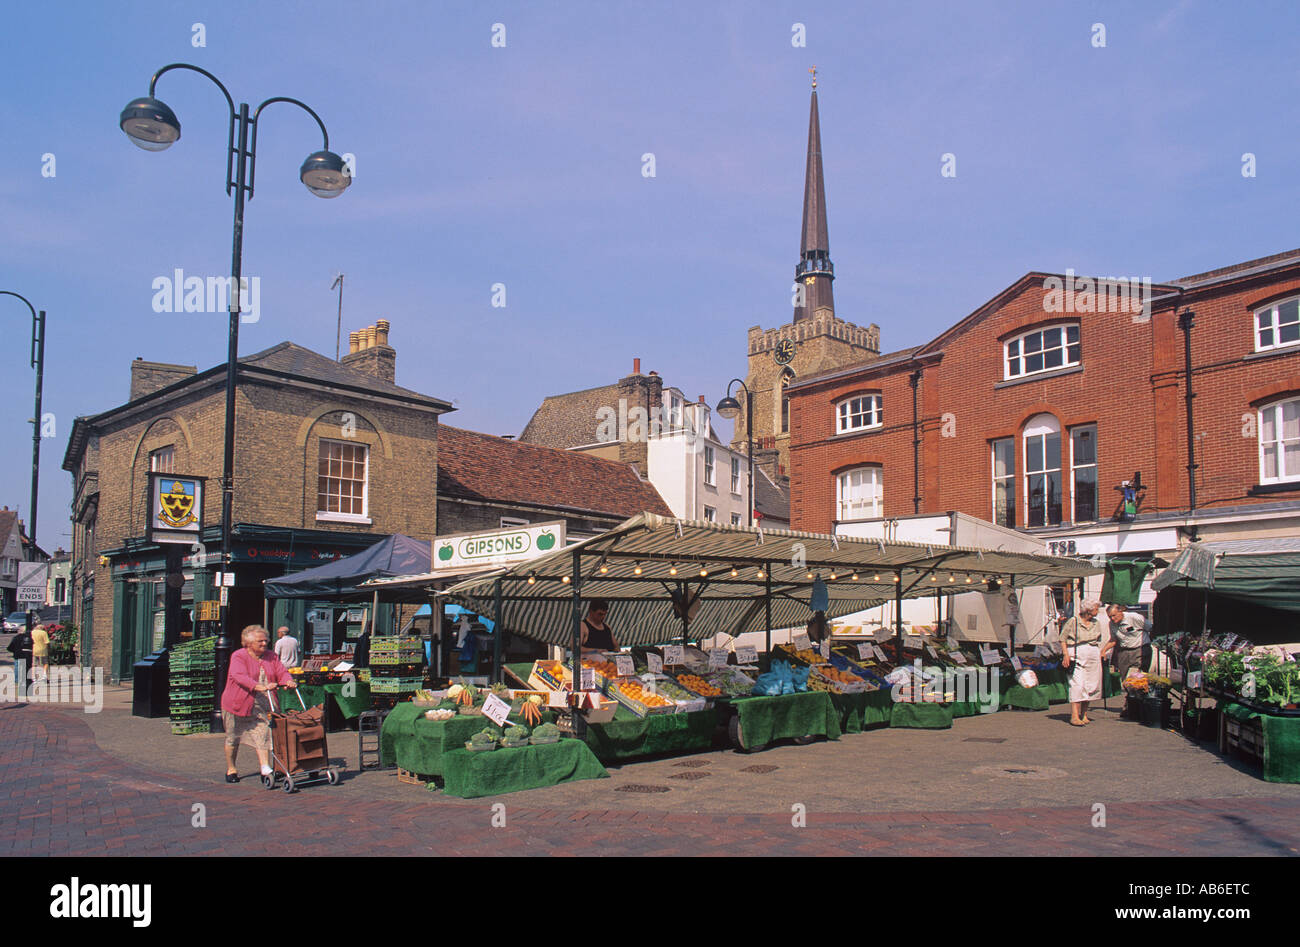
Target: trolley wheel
x=268, y=781
x=288, y=784
x=737, y=737
x=332, y=776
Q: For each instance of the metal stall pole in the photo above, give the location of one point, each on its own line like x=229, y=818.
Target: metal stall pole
x=898, y=618
x=767, y=603
x=579, y=722
x=496, y=633
x=1011, y=626
x=681, y=594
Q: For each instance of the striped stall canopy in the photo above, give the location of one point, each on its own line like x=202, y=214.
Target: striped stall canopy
x=650, y=565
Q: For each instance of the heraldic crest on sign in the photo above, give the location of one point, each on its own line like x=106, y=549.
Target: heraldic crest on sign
x=177, y=506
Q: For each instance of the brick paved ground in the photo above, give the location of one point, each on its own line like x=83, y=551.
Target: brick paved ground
x=110, y=784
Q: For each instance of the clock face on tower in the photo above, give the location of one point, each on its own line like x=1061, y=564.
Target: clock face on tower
x=784, y=353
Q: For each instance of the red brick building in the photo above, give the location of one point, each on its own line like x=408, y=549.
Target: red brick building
x=1034, y=410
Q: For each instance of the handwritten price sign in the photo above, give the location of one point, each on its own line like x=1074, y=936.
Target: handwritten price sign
x=674, y=654
x=496, y=709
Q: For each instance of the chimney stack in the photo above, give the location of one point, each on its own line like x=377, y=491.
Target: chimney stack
x=369, y=352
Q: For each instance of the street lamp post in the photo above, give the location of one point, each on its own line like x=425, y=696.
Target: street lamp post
x=153, y=126
x=729, y=408
x=38, y=363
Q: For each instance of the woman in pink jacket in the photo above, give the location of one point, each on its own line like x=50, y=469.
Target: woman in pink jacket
x=246, y=702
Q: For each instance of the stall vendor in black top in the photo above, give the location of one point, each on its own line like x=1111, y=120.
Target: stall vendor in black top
x=596, y=636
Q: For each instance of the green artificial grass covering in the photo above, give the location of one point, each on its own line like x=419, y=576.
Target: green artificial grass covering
x=1281, y=742
x=468, y=775
x=764, y=719
x=858, y=712
x=628, y=736
x=313, y=694
x=1026, y=698
x=922, y=716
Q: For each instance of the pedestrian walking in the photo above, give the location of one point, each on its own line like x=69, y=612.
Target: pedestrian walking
x=1084, y=643
x=246, y=703
x=21, y=649
x=40, y=652
x=286, y=647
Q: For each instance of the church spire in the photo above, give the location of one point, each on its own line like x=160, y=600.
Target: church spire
x=814, y=271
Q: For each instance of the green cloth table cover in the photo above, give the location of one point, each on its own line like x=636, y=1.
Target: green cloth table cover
x=350, y=707
x=628, y=736
x=858, y=712
x=921, y=716
x=764, y=719
x=418, y=745
x=468, y=774
x=1026, y=698
x=1281, y=741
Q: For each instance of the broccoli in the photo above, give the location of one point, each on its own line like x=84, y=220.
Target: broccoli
x=515, y=734
x=483, y=737
x=547, y=730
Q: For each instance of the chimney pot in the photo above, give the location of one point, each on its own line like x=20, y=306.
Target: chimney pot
x=636, y=366
x=370, y=336
x=702, y=401
x=354, y=342
x=381, y=332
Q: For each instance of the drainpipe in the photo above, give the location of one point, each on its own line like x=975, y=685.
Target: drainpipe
x=1185, y=322
x=915, y=379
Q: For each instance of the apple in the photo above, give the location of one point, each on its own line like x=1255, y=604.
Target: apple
x=444, y=553
x=545, y=541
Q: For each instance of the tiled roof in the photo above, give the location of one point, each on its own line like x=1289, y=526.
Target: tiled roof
x=1263, y=261
x=569, y=420
x=770, y=500
x=295, y=360
x=8, y=520
x=867, y=364
x=480, y=466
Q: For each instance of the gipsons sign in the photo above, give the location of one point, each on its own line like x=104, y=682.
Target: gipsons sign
x=497, y=547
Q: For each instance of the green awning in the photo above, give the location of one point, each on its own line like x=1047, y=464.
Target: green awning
x=643, y=565
x=1263, y=572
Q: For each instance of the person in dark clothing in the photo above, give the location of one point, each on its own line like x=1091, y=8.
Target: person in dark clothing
x=21, y=649
x=361, y=656
x=596, y=635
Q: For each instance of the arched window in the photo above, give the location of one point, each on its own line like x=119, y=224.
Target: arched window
x=1042, y=438
x=1042, y=350
x=1279, y=441
x=858, y=413
x=1277, y=325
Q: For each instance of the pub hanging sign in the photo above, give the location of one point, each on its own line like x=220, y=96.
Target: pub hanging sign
x=175, y=508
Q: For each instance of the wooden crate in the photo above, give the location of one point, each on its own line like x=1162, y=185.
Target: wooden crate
x=1245, y=740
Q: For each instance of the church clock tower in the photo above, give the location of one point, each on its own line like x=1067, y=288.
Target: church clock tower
x=815, y=340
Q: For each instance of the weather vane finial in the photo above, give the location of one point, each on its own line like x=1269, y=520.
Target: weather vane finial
x=813, y=70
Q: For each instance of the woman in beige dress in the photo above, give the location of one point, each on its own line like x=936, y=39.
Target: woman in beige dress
x=1085, y=644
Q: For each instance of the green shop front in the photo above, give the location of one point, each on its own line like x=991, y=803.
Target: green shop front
x=158, y=589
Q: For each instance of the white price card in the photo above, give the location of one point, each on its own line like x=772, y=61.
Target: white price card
x=1194, y=680
x=880, y=654
x=674, y=654
x=912, y=643
x=958, y=657
x=866, y=651
x=1229, y=641
x=748, y=655
x=718, y=657
x=624, y=663
x=496, y=709
x=825, y=649
x=990, y=657
x=1015, y=662
x=225, y=596
x=802, y=643
x=654, y=663
x=558, y=699
x=934, y=654
x=588, y=679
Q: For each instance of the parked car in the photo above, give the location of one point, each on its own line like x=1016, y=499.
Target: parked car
x=15, y=622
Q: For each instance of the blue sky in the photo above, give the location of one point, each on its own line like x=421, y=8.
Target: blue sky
x=522, y=165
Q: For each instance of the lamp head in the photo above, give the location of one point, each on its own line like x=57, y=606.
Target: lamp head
x=729, y=408
x=150, y=124
x=325, y=174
